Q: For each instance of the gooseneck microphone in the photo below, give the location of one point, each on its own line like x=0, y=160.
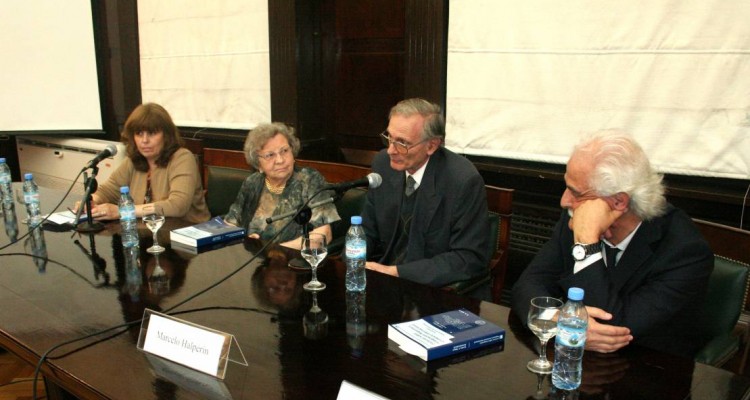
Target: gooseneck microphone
x=108, y=151
x=372, y=180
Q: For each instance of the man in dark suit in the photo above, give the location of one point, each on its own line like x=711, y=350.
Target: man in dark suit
x=651, y=289
x=433, y=230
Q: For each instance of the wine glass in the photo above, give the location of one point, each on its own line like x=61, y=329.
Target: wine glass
x=314, y=250
x=543, y=322
x=154, y=221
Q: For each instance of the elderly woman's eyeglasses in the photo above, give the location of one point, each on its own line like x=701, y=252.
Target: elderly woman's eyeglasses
x=283, y=152
x=401, y=146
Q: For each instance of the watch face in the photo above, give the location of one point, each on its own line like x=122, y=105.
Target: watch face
x=579, y=253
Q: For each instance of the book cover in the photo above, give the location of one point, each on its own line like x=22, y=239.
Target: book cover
x=445, y=334
x=209, y=232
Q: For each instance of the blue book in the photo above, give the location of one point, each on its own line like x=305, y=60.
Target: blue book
x=445, y=334
x=206, y=233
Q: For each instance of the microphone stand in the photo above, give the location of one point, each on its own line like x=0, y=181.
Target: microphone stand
x=91, y=185
x=99, y=264
x=302, y=217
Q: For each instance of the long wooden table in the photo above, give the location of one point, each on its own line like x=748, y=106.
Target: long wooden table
x=87, y=285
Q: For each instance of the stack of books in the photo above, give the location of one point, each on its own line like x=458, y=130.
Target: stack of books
x=206, y=235
x=446, y=334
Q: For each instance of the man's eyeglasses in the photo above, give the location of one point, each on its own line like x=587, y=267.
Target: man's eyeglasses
x=401, y=146
x=283, y=152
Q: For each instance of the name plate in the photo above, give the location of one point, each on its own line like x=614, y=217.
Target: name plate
x=194, y=346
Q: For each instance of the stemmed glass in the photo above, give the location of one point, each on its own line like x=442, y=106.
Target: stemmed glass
x=543, y=322
x=154, y=222
x=314, y=250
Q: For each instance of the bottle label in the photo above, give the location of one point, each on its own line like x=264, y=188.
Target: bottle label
x=356, y=248
x=127, y=214
x=30, y=198
x=4, y=178
x=569, y=336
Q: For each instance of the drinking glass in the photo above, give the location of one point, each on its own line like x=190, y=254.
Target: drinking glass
x=543, y=322
x=314, y=250
x=154, y=222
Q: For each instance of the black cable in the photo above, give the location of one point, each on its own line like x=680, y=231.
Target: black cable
x=69, y=268
x=44, y=356
x=65, y=196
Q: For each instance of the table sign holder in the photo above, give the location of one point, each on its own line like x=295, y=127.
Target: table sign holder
x=200, y=348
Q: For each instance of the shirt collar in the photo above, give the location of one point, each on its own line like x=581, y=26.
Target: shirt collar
x=625, y=242
x=419, y=174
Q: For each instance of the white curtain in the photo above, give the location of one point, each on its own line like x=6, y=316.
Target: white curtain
x=206, y=62
x=48, y=70
x=527, y=79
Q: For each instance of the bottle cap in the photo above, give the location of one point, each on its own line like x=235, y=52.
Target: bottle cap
x=2, y=160
x=575, y=294
x=28, y=176
x=356, y=219
x=124, y=189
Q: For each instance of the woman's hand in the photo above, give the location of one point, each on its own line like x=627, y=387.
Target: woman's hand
x=105, y=212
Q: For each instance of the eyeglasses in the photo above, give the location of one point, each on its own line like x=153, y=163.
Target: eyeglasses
x=283, y=152
x=401, y=146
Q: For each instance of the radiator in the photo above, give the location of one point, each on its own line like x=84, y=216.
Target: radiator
x=56, y=160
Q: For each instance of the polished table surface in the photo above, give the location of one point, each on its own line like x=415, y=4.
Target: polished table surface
x=80, y=284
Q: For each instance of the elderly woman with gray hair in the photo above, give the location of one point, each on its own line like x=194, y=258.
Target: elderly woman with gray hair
x=278, y=187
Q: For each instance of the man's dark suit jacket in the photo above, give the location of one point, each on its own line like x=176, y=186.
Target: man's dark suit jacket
x=449, y=237
x=656, y=288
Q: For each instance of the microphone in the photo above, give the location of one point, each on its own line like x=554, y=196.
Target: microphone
x=372, y=180
x=108, y=151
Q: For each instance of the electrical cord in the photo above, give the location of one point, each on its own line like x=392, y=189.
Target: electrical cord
x=45, y=356
x=39, y=226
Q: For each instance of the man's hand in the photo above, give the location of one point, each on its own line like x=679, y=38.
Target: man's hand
x=386, y=269
x=605, y=338
x=592, y=219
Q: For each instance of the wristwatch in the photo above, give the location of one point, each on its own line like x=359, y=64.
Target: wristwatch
x=581, y=250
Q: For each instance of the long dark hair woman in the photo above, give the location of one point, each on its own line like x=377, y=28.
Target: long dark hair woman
x=162, y=175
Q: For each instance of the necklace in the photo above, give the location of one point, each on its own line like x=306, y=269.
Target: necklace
x=274, y=189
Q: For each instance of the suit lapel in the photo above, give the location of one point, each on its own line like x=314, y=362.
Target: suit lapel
x=427, y=203
x=638, y=252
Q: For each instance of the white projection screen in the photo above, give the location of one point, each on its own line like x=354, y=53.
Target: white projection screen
x=206, y=62
x=48, y=70
x=526, y=79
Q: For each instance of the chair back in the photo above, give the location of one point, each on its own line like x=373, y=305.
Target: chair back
x=499, y=214
x=350, y=204
x=727, y=289
x=222, y=186
x=726, y=296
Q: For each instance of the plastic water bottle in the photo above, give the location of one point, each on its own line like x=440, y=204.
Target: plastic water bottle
x=128, y=221
x=569, y=342
x=31, y=198
x=356, y=254
x=6, y=189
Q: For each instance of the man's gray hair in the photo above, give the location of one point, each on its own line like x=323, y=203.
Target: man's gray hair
x=621, y=165
x=434, y=124
x=262, y=133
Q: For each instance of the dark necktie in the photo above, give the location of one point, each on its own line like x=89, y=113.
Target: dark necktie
x=410, y=182
x=611, y=253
